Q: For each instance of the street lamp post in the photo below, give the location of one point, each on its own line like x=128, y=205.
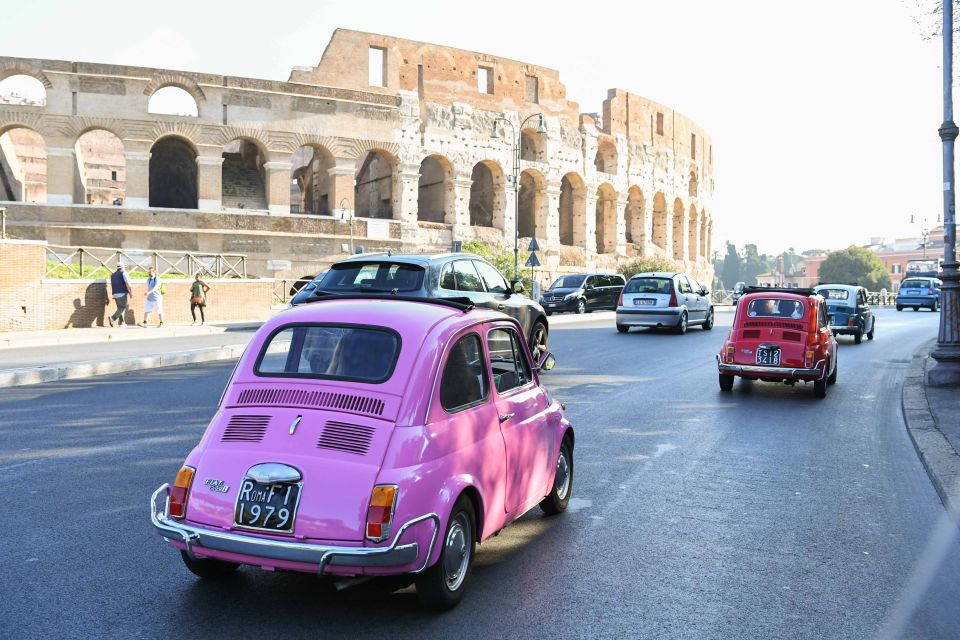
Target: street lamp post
x=924, y=232
x=343, y=216
x=494, y=133
x=947, y=352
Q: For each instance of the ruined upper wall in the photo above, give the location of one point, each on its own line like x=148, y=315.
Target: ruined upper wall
x=438, y=74
x=636, y=118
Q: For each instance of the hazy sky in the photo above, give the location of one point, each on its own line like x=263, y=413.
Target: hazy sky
x=823, y=113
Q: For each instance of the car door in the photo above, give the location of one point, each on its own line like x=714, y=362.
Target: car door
x=687, y=298
x=593, y=293
x=703, y=302
x=864, y=311
x=521, y=407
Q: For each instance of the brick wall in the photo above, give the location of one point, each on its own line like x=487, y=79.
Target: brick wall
x=21, y=267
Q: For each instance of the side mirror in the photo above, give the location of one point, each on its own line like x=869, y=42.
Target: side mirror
x=517, y=287
x=547, y=362
x=704, y=291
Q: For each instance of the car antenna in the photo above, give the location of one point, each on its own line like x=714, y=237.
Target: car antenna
x=389, y=253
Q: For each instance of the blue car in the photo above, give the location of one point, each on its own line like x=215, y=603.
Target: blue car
x=848, y=311
x=919, y=292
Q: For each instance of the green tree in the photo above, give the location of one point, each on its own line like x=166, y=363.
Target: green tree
x=855, y=265
x=502, y=258
x=754, y=263
x=645, y=265
x=732, y=265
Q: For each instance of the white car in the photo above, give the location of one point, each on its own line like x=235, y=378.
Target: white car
x=664, y=299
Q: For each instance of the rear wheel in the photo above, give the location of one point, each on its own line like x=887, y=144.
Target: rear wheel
x=936, y=306
x=441, y=586
x=917, y=308
x=681, y=327
x=622, y=328
x=899, y=308
x=873, y=328
x=559, y=497
x=208, y=568
x=832, y=378
x=708, y=323
x=820, y=387
x=858, y=337
x=726, y=382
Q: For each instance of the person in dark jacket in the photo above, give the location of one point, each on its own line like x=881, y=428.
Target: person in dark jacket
x=198, y=298
x=121, y=289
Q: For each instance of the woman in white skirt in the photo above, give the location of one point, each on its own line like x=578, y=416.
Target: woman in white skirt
x=154, y=298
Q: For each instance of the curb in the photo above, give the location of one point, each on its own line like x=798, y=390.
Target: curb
x=91, y=335
x=75, y=370
x=939, y=458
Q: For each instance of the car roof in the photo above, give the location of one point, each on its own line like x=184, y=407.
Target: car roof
x=845, y=287
x=778, y=293
x=656, y=274
x=422, y=259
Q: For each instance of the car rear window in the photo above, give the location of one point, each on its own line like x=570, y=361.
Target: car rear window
x=914, y=283
x=834, y=294
x=337, y=352
x=373, y=277
x=649, y=285
x=775, y=308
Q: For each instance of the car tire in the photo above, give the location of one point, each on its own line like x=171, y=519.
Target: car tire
x=548, y=313
x=208, y=568
x=708, y=323
x=832, y=378
x=581, y=306
x=899, y=308
x=441, y=586
x=873, y=328
x=623, y=328
x=916, y=308
x=858, y=337
x=681, y=327
x=559, y=497
x=538, y=341
x=726, y=382
x=820, y=388
x=935, y=306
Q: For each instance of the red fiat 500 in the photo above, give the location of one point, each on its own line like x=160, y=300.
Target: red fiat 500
x=780, y=335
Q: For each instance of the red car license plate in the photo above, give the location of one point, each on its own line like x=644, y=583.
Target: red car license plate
x=768, y=355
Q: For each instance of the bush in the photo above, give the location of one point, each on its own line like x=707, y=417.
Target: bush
x=502, y=258
x=645, y=265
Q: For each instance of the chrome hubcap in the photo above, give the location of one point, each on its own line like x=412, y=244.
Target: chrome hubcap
x=562, y=481
x=456, y=552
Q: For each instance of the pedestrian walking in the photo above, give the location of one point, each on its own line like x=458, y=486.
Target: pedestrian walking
x=198, y=298
x=121, y=288
x=154, y=297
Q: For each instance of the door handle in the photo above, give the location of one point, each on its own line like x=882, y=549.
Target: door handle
x=506, y=417
x=500, y=307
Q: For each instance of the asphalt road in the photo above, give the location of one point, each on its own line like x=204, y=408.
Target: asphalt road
x=759, y=514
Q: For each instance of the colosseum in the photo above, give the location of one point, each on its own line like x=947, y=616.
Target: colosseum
x=409, y=146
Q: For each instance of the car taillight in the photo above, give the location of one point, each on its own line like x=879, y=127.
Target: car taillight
x=729, y=353
x=380, y=514
x=180, y=491
x=851, y=322
x=673, y=298
x=808, y=358
x=620, y=299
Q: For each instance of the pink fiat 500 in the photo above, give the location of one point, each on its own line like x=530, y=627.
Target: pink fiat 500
x=371, y=436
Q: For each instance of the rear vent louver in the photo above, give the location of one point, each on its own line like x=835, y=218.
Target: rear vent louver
x=349, y=438
x=792, y=335
x=245, y=428
x=312, y=400
x=751, y=333
x=774, y=324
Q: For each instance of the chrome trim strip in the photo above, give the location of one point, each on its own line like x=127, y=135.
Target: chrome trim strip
x=781, y=371
x=322, y=555
x=271, y=472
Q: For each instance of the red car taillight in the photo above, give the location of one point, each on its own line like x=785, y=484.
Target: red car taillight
x=620, y=299
x=383, y=499
x=673, y=298
x=729, y=355
x=180, y=491
x=851, y=321
x=808, y=358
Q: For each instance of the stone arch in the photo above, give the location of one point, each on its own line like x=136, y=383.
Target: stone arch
x=572, y=210
x=660, y=220
x=435, y=194
x=175, y=80
x=310, y=188
x=693, y=233
x=533, y=146
x=173, y=173
x=373, y=194
x=12, y=68
x=487, y=199
x=636, y=223
x=678, y=229
x=242, y=174
x=606, y=159
x=23, y=164
x=606, y=218
x=101, y=166
x=693, y=188
x=532, y=211
x=173, y=100
x=22, y=90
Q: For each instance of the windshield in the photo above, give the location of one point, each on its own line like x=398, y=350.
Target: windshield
x=775, y=308
x=649, y=285
x=568, y=282
x=834, y=294
x=373, y=277
x=330, y=351
x=915, y=283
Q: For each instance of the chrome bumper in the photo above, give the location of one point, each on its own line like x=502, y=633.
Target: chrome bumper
x=395, y=555
x=813, y=373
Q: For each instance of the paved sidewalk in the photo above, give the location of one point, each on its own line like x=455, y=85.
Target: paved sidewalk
x=933, y=422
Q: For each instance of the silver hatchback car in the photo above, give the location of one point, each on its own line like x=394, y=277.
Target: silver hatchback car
x=664, y=299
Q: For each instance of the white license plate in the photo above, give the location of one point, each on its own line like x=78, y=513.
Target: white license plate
x=643, y=302
x=770, y=356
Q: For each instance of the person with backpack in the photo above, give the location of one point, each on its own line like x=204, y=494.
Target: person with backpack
x=121, y=288
x=198, y=298
x=154, y=297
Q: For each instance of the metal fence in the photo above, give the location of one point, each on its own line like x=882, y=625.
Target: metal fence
x=878, y=298
x=99, y=262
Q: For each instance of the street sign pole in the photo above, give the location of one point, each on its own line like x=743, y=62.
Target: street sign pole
x=947, y=352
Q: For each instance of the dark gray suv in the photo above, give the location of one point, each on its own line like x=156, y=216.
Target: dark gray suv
x=448, y=275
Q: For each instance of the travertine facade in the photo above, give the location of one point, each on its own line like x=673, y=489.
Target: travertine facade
x=383, y=128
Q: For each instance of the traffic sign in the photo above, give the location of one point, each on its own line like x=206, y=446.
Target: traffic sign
x=533, y=246
x=532, y=261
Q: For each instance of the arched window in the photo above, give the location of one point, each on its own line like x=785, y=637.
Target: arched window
x=694, y=184
x=434, y=190
x=533, y=199
x=678, y=229
x=22, y=91
x=23, y=166
x=572, y=205
x=102, y=167
x=533, y=146
x=374, y=191
x=606, y=159
x=486, y=194
x=243, y=176
x=606, y=219
x=636, y=223
x=173, y=174
x=660, y=220
x=693, y=233
x=172, y=101
x=310, y=189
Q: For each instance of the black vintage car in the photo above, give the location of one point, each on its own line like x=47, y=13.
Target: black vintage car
x=449, y=275
x=583, y=293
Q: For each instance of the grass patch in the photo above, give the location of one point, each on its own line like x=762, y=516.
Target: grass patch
x=58, y=270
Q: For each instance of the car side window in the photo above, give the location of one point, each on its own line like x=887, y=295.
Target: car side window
x=508, y=363
x=467, y=278
x=590, y=282
x=617, y=281
x=823, y=316
x=684, y=285
x=606, y=281
x=447, y=279
x=464, y=382
x=491, y=277
x=694, y=285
